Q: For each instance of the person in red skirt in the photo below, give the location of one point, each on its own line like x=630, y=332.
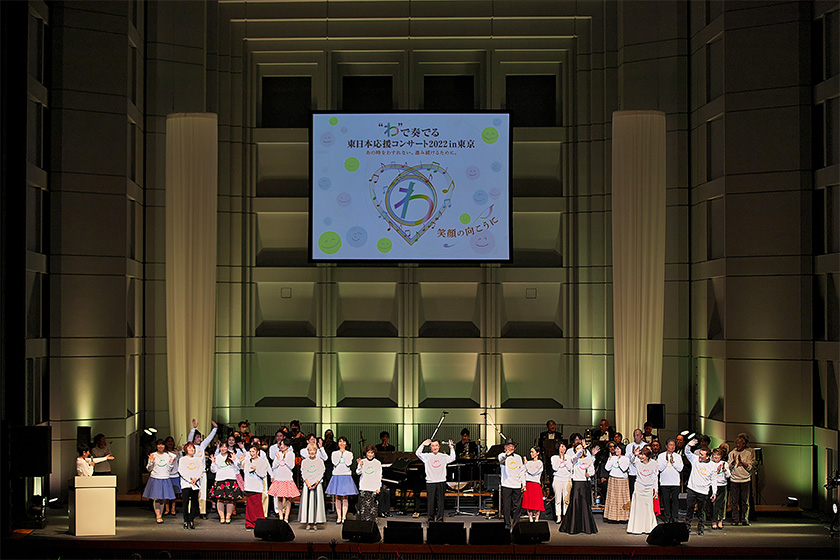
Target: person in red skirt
x=254, y=471
x=532, y=499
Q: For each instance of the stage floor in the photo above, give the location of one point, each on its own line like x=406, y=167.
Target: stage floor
x=137, y=533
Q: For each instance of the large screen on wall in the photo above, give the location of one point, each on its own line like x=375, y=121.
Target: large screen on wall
x=410, y=187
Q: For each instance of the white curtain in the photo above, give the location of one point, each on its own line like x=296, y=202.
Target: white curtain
x=638, y=224
x=191, y=192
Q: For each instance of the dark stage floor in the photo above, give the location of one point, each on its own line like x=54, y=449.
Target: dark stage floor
x=138, y=536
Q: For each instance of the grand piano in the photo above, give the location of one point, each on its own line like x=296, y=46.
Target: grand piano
x=403, y=471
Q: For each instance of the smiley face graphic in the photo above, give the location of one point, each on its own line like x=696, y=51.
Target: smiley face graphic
x=495, y=193
x=357, y=236
x=473, y=172
x=324, y=183
x=384, y=245
x=351, y=164
x=465, y=218
x=327, y=140
x=482, y=243
x=495, y=167
x=489, y=135
x=480, y=197
x=344, y=199
x=329, y=242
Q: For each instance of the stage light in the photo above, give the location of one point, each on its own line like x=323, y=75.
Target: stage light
x=153, y=430
x=792, y=501
x=53, y=500
x=684, y=433
x=834, y=508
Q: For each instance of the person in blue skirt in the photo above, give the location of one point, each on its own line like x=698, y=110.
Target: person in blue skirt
x=159, y=488
x=341, y=485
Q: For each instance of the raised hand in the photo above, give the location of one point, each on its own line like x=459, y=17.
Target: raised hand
x=450, y=443
x=214, y=423
x=151, y=457
x=692, y=443
x=194, y=423
x=427, y=442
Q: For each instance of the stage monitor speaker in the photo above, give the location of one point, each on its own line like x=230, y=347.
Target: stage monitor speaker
x=403, y=532
x=36, y=443
x=83, y=435
x=489, y=532
x=446, y=533
x=273, y=530
x=656, y=415
x=360, y=531
x=669, y=534
x=492, y=481
x=531, y=533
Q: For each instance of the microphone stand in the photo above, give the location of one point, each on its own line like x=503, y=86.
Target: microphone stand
x=442, y=417
x=504, y=438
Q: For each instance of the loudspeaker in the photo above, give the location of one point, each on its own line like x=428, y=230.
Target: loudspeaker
x=83, y=435
x=403, y=532
x=531, y=533
x=489, y=532
x=656, y=415
x=273, y=530
x=360, y=531
x=446, y=533
x=36, y=444
x=492, y=481
x=669, y=534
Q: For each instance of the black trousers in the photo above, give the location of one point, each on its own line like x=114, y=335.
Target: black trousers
x=698, y=499
x=669, y=500
x=740, y=492
x=384, y=499
x=435, y=492
x=631, y=480
x=511, y=505
x=190, y=498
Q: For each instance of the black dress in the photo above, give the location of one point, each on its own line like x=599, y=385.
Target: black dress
x=579, y=518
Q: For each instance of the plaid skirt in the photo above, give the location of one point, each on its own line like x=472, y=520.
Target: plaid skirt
x=227, y=490
x=617, y=506
x=284, y=489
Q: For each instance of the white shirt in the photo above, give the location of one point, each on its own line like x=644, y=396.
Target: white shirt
x=188, y=469
x=254, y=472
x=435, y=464
x=739, y=473
x=669, y=468
x=618, y=466
x=702, y=474
x=513, y=470
x=646, y=474
x=223, y=470
x=282, y=466
x=84, y=467
x=722, y=472
x=341, y=461
x=312, y=470
x=370, y=472
x=533, y=471
x=562, y=467
x=584, y=467
x=160, y=464
x=199, y=449
x=630, y=452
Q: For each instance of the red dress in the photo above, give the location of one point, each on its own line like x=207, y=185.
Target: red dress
x=532, y=499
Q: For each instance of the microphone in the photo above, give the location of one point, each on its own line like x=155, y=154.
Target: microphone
x=483, y=413
x=446, y=412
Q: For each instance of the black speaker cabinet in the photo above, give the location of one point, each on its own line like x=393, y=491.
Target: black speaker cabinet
x=656, y=415
x=360, y=531
x=36, y=441
x=273, y=530
x=531, y=533
x=668, y=534
x=492, y=481
x=489, y=532
x=403, y=532
x=83, y=435
x=446, y=533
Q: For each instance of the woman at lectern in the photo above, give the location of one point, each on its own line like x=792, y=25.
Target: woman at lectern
x=85, y=463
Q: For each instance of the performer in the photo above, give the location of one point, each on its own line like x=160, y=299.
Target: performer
x=270, y=456
x=513, y=483
x=642, y=517
x=670, y=466
x=435, y=465
x=579, y=518
x=617, y=504
x=722, y=474
x=329, y=442
x=562, y=481
x=549, y=439
x=312, y=469
x=532, y=499
x=741, y=463
x=264, y=494
x=369, y=470
x=630, y=451
x=225, y=489
x=255, y=469
x=384, y=445
x=648, y=433
x=686, y=472
x=341, y=485
x=244, y=432
x=190, y=469
x=201, y=444
x=655, y=447
x=701, y=479
x=85, y=464
x=283, y=487
x=101, y=448
x=159, y=488
x=574, y=440
x=466, y=449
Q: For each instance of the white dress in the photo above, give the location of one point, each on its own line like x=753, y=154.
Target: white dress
x=642, y=519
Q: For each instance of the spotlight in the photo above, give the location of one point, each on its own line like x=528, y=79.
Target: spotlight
x=691, y=436
x=147, y=432
x=153, y=430
x=684, y=433
x=834, y=508
x=792, y=501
